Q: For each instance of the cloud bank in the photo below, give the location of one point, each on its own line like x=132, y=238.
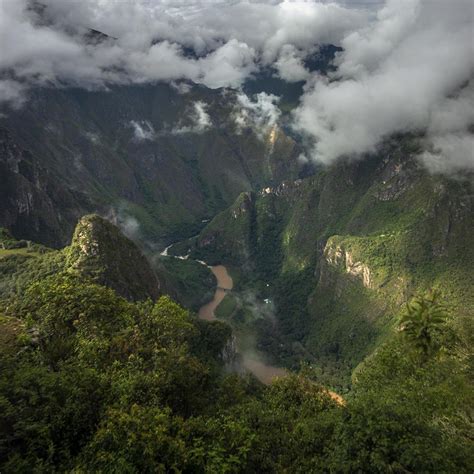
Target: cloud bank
x=406, y=65
x=217, y=44
x=411, y=69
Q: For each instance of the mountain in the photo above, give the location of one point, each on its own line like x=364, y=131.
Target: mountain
x=101, y=252
x=340, y=253
x=224, y=247
x=98, y=252
x=148, y=156
x=34, y=203
x=93, y=382
x=101, y=370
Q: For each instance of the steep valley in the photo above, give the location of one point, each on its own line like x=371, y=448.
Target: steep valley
x=323, y=262
x=340, y=253
x=307, y=347
x=236, y=237
x=145, y=156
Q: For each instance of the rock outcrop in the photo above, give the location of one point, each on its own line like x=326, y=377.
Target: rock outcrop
x=337, y=257
x=101, y=252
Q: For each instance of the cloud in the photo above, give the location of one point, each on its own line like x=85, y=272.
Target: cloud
x=228, y=66
x=218, y=44
x=181, y=87
x=406, y=65
x=261, y=114
x=12, y=92
x=290, y=65
x=452, y=152
x=202, y=118
x=302, y=159
x=129, y=225
x=199, y=119
x=142, y=130
x=409, y=70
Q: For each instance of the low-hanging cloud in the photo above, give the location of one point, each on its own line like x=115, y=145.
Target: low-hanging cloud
x=12, y=92
x=409, y=70
x=261, y=114
x=198, y=120
x=218, y=44
x=405, y=66
x=142, y=130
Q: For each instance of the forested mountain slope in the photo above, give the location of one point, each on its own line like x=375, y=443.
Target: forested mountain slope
x=339, y=253
x=90, y=381
x=144, y=155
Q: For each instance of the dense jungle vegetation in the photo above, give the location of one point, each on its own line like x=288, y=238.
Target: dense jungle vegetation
x=91, y=382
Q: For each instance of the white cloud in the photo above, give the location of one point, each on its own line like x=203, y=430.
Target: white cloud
x=451, y=152
x=148, y=39
x=227, y=66
x=290, y=65
x=12, y=92
x=302, y=159
x=403, y=66
x=261, y=114
x=181, y=87
x=401, y=73
x=199, y=119
x=142, y=130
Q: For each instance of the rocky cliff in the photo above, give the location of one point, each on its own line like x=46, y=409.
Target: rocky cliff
x=34, y=201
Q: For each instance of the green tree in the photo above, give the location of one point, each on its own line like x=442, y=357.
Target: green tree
x=141, y=439
x=422, y=321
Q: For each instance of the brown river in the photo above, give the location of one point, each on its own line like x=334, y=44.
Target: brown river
x=264, y=372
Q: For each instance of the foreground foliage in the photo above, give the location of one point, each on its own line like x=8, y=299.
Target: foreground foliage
x=90, y=382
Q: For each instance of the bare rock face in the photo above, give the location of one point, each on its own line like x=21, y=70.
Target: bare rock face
x=359, y=270
x=35, y=204
x=449, y=213
x=397, y=178
x=244, y=206
x=101, y=252
x=338, y=258
x=229, y=353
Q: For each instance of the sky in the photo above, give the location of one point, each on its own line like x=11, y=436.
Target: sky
x=406, y=65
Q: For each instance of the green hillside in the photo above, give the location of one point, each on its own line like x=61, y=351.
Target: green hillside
x=92, y=382
x=343, y=250
x=133, y=153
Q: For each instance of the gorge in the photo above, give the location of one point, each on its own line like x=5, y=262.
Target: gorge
x=236, y=237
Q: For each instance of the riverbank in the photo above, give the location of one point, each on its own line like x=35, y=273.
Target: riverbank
x=224, y=284
x=263, y=371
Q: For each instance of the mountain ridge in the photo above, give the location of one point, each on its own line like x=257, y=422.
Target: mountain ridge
x=365, y=236
x=128, y=150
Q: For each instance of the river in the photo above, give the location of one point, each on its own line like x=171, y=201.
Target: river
x=224, y=284
x=264, y=372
